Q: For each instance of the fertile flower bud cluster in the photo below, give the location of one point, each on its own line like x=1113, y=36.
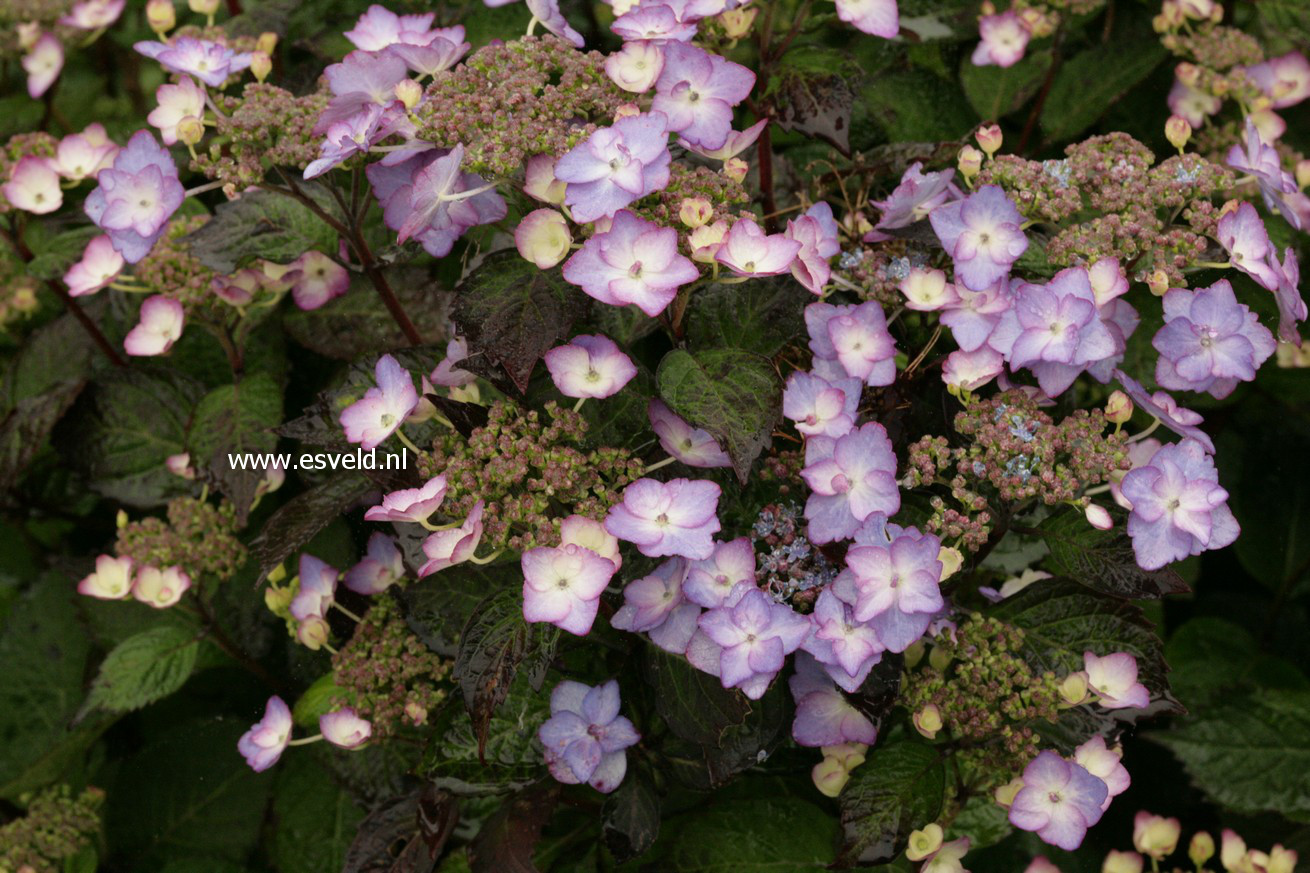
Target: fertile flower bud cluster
x=54, y=828
x=387, y=674
x=976, y=687
x=525, y=465
x=266, y=126
x=199, y=537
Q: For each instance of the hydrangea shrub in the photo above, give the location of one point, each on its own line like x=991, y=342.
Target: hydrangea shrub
x=654, y=435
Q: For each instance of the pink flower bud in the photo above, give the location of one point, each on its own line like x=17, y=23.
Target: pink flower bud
x=989, y=138
x=203, y=7
x=160, y=326
x=190, y=130
x=1158, y=282
x=1201, y=848
x=1178, y=131
x=926, y=290
x=33, y=186
x=970, y=162
x=1118, y=408
x=735, y=169
x=344, y=728
x=830, y=777
x=160, y=588
x=99, y=265
x=1073, y=690
x=706, y=239
x=1122, y=862
x=543, y=237
x=261, y=64
x=636, y=66
x=924, y=842
x=1188, y=74
x=313, y=633
x=1004, y=794
x=928, y=721
x=626, y=110
x=540, y=182
x=28, y=33
x=160, y=15
x=180, y=465
x=409, y=92
x=1232, y=850
x=1155, y=836
x=1303, y=172
x=1098, y=517
x=266, y=43
x=112, y=579
x=738, y=22
x=696, y=211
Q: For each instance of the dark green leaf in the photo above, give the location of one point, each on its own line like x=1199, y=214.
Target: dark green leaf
x=59, y=253
x=1212, y=658
x=1250, y=753
x=513, y=313
x=781, y=834
x=510, y=759
x=187, y=794
x=899, y=788
x=144, y=668
x=1089, y=83
x=631, y=817
x=437, y=608
x=262, y=224
x=358, y=324
x=506, y=841
x=137, y=418
x=917, y=106
x=314, y=819
x=983, y=821
x=235, y=419
x=1102, y=560
x=24, y=430
x=59, y=352
x=995, y=92
x=812, y=94
x=43, y=651
x=756, y=316
x=694, y=704
x=402, y=835
x=1061, y=620
x=493, y=646
x=297, y=520
x=733, y=394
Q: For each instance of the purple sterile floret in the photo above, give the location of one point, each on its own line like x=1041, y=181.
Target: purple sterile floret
x=1243, y=236
x=380, y=568
x=616, y=166
x=1263, y=163
x=1178, y=507
x=823, y=716
x=677, y=517
x=851, y=478
x=1059, y=800
x=892, y=581
x=754, y=634
x=135, y=197
x=710, y=581
x=634, y=262
x=1179, y=420
x=648, y=601
x=210, y=62
x=847, y=647
x=376, y=416
x=585, y=736
x=917, y=195
x=983, y=235
x=819, y=407
x=697, y=91
x=1209, y=341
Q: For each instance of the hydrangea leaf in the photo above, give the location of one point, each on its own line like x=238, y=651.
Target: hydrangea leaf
x=23, y=431
x=1088, y=84
x=756, y=316
x=357, y=324
x=316, y=819
x=135, y=420
x=995, y=92
x=1102, y=560
x=512, y=313
x=983, y=821
x=812, y=94
x=144, y=668
x=170, y=800
x=1062, y=619
x=300, y=518
x=752, y=835
x=437, y=608
x=900, y=787
x=507, y=839
x=718, y=732
x=43, y=652
x=232, y=419
x=262, y=224
x=1249, y=753
x=631, y=816
x=510, y=758
x=495, y=643
x=734, y=394
x=1213, y=658
x=420, y=821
